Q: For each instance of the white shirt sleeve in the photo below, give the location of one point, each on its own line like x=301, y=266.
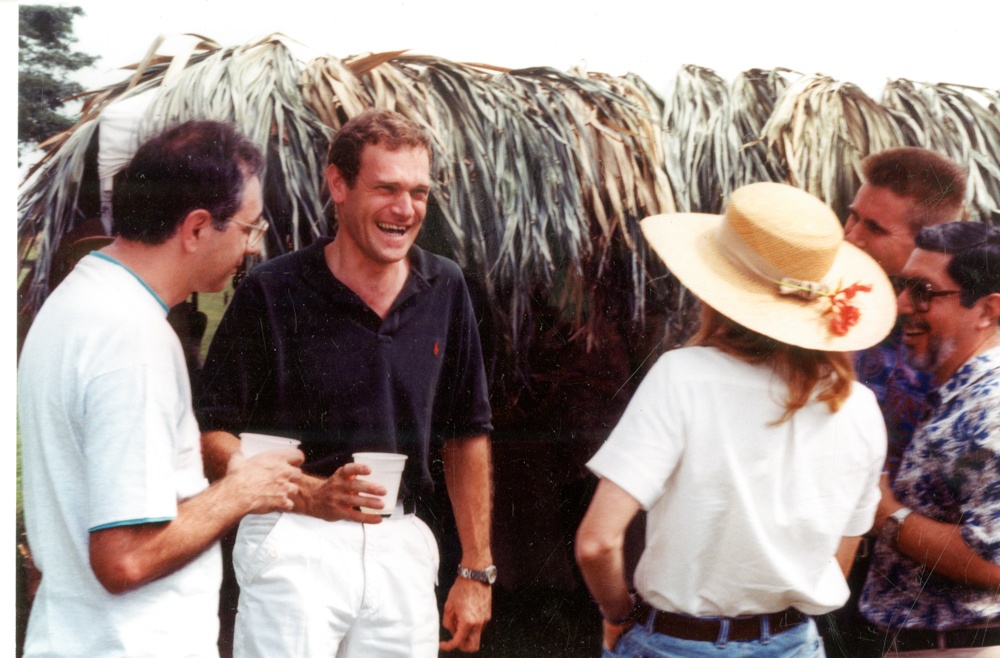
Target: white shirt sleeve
x=130, y=417
x=644, y=448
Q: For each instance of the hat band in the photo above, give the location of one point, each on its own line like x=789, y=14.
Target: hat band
x=749, y=262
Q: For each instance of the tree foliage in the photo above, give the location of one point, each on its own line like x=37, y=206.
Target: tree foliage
x=45, y=58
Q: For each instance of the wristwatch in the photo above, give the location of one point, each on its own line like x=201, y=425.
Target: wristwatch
x=893, y=522
x=487, y=576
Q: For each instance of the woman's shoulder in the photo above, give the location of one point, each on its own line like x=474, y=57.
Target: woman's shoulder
x=702, y=362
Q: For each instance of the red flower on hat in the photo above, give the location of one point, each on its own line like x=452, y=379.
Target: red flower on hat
x=843, y=314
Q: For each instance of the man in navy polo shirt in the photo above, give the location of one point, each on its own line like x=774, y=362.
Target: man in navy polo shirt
x=363, y=342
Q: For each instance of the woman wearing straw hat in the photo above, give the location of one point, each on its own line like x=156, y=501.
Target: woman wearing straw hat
x=753, y=451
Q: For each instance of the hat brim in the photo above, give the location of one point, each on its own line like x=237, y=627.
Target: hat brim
x=686, y=242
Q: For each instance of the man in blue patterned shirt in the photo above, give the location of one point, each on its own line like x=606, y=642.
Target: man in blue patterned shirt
x=934, y=585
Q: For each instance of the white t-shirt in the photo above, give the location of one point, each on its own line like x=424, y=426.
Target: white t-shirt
x=109, y=438
x=744, y=517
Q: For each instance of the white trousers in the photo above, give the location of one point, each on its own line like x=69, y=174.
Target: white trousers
x=312, y=588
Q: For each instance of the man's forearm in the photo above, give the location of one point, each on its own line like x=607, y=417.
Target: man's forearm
x=941, y=548
x=468, y=475
x=126, y=557
x=307, y=496
x=938, y=546
x=469, y=478
x=217, y=448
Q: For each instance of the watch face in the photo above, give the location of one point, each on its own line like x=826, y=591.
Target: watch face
x=491, y=574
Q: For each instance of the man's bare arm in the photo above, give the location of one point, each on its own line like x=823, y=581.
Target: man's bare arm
x=941, y=548
x=468, y=476
x=938, y=546
x=126, y=557
x=331, y=499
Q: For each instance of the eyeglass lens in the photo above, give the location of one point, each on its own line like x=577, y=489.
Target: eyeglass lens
x=921, y=292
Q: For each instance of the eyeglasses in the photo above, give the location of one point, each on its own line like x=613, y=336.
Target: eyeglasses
x=257, y=231
x=921, y=292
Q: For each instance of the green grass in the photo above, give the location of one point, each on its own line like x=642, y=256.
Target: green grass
x=213, y=305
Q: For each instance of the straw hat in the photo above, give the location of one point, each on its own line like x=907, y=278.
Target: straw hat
x=776, y=262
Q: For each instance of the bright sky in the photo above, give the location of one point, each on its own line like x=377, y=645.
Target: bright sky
x=861, y=41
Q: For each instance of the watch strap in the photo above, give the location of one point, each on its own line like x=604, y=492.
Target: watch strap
x=894, y=522
x=486, y=576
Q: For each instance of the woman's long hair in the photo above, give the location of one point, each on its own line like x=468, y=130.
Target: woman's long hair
x=804, y=370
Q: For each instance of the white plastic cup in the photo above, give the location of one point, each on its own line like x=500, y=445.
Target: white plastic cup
x=254, y=444
x=387, y=470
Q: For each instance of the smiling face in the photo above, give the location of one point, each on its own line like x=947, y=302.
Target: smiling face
x=380, y=215
x=879, y=225
x=939, y=340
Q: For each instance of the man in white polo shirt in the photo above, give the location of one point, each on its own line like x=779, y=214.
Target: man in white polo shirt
x=120, y=518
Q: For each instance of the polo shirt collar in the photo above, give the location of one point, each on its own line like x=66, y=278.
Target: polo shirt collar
x=424, y=269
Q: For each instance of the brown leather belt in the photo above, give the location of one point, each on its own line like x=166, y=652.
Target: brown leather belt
x=741, y=629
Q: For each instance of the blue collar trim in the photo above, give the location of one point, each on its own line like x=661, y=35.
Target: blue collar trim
x=137, y=277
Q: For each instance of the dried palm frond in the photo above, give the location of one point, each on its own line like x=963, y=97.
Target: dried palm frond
x=253, y=86
x=47, y=209
x=540, y=175
x=821, y=129
x=657, y=194
x=740, y=156
x=696, y=100
x=962, y=123
x=714, y=146
x=150, y=72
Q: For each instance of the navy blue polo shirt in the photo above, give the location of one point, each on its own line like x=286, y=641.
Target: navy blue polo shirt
x=299, y=354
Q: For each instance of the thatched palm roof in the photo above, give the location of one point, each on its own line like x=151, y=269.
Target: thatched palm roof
x=540, y=175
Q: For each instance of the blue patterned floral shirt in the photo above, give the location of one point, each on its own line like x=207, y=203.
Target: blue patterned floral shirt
x=951, y=473
x=900, y=390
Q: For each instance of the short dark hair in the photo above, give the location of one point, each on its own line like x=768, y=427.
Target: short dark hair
x=382, y=127
x=975, y=260
x=932, y=181
x=197, y=164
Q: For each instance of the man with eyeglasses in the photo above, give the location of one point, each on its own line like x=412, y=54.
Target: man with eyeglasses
x=120, y=518
x=934, y=585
